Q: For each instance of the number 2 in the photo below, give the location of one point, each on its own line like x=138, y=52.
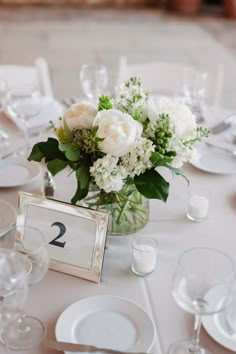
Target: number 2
x=62, y=230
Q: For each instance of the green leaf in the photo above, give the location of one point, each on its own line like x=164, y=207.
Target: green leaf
x=55, y=166
x=177, y=172
x=36, y=154
x=152, y=185
x=159, y=160
x=83, y=178
x=104, y=103
x=47, y=149
x=82, y=175
x=71, y=153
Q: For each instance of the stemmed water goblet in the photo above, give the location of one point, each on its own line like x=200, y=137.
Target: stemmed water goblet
x=25, y=103
x=93, y=79
x=202, y=285
x=28, y=332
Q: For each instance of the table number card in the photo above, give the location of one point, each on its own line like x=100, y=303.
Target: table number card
x=75, y=235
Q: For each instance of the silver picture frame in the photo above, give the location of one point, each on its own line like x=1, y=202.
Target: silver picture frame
x=75, y=236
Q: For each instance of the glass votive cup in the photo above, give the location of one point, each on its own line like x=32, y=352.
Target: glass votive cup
x=197, y=205
x=144, y=255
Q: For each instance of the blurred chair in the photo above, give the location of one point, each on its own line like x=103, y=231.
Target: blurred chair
x=36, y=75
x=166, y=78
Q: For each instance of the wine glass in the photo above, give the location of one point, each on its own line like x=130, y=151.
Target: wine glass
x=194, y=91
x=3, y=134
x=93, y=79
x=13, y=283
x=25, y=103
x=202, y=285
x=7, y=220
x=28, y=332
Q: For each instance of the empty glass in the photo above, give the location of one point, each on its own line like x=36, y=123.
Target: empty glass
x=7, y=220
x=202, y=285
x=25, y=103
x=13, y=283
x=27, y=331
x=194, y=84
x=93, y=79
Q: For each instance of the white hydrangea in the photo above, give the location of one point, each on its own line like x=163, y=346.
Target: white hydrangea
x=108, y=175
x=138, y=161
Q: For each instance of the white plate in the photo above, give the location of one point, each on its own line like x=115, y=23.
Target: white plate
x=107, y=321
x=214, y=160
x=51, y=110
x=16, y=173
x=217, y=326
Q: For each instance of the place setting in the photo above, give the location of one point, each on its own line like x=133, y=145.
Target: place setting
x=31, y=113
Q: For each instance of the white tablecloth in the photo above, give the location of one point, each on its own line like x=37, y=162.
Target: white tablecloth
x=169, y=225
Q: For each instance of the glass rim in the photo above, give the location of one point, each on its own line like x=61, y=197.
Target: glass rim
x=93, y=65
x=146, y=239
x=42, y=244
x=23, y=89
x=215, y=250
x=9, y=205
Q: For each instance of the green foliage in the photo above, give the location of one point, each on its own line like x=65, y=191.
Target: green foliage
x=47, y=149
x=83, y=179
x=199, y=135
x=72, y=153
x=163, y=135
x=158, y=159
x=55, y=166
x=87, y=140
x=133, y=81
x=104, y=103
x=152, y=185
x=177, y=172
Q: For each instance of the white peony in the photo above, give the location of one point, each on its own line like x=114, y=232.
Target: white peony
x=119, y=131
x=79, y=116
x=181, y=118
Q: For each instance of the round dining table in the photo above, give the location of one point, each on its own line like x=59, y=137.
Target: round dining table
x=174, y=233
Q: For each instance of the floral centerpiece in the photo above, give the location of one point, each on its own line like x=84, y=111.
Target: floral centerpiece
x=115, y=148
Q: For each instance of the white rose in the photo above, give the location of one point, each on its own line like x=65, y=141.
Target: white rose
x=119, y=131
x=181, y=117
x=79, y=116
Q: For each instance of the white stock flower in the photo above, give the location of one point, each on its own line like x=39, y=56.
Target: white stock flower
x=181, y=117
x=118, y=130
x=137, y=160
x=79, y=116
x=107, y=174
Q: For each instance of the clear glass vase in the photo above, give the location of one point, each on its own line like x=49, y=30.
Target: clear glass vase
x=128, y=209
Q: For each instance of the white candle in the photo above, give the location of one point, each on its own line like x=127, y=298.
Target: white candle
x=144, y=255
x=198, y=206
